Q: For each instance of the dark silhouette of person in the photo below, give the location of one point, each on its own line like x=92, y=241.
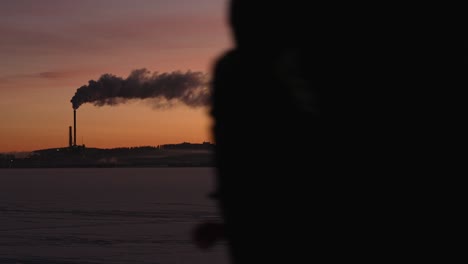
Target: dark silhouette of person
x=266, y=117
x=311, y=138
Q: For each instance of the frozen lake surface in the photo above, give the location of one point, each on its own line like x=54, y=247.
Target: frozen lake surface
x=90, y=216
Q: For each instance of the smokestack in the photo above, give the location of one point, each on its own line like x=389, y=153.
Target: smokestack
x=74, y=127
x=70, y=137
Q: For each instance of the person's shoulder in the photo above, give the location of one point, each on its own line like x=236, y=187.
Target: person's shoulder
x=226, y=60
x=227, y=65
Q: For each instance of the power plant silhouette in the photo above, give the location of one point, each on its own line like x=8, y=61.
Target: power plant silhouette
x=183, y=154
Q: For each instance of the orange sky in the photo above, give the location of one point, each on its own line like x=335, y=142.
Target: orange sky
x=49, y=48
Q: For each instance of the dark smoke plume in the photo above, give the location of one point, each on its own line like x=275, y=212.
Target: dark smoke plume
x=190, y=88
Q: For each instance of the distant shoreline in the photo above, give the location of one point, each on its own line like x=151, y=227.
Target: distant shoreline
x=148, y=167
x=166, y=156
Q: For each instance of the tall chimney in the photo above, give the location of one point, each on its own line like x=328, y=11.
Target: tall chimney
x=74, y=127
x=70, y=142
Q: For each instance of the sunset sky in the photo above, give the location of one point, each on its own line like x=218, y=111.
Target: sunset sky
x=49, y=48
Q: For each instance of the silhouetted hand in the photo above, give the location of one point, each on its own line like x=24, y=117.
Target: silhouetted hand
x=205, y=235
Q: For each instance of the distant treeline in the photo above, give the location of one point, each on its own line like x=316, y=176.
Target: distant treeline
x=181, y=146
x=189, y=146
x=170, y=155
x=136, y=148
